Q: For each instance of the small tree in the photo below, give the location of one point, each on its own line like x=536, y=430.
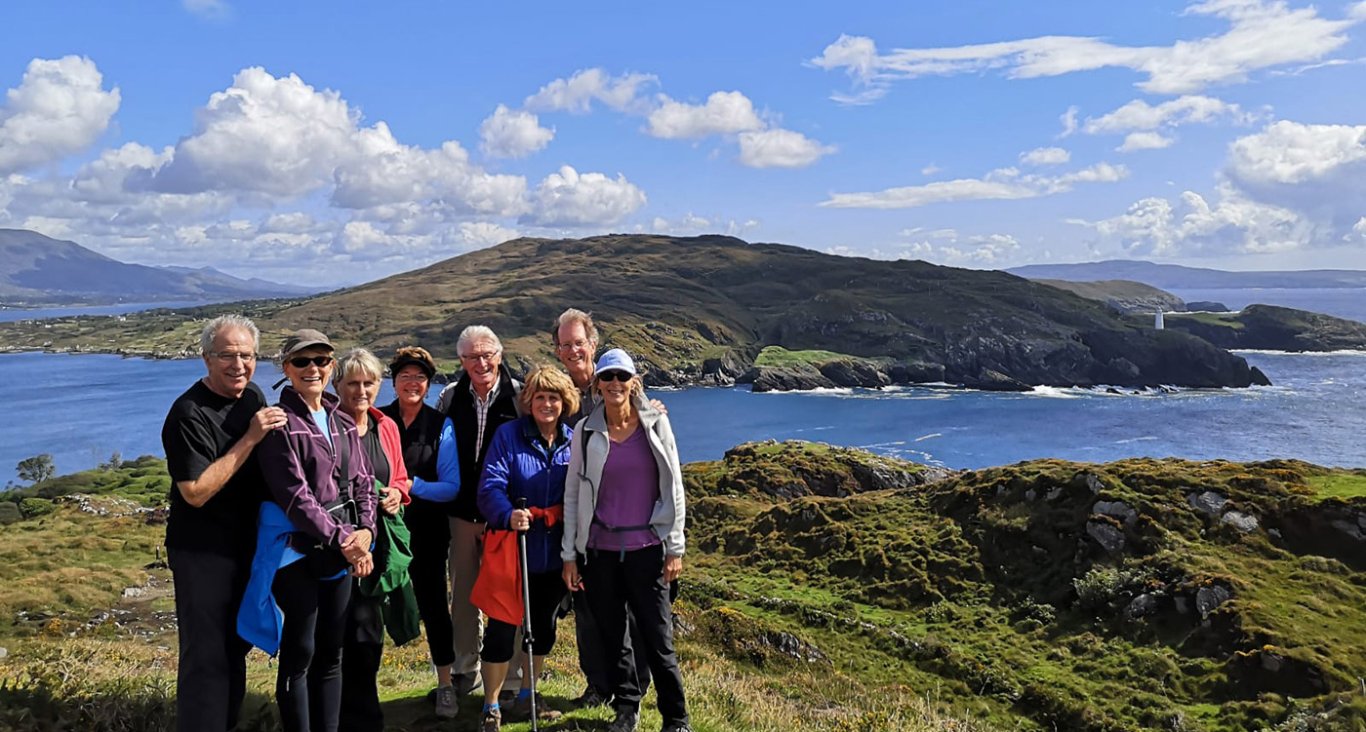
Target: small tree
x=36, y=469
x=114, y=463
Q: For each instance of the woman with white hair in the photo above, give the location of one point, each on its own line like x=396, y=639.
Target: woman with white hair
x=359, y=375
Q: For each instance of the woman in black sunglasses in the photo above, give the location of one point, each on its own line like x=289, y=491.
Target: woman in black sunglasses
x=623, y=533
x=316, y=530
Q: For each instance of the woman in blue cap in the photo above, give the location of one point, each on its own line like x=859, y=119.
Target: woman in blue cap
x=623, y=532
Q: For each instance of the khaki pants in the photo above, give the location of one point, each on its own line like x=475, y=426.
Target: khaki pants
x=467, y=548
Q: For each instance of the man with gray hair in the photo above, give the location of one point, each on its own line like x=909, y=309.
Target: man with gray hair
x=478, y=403
x=216, y=491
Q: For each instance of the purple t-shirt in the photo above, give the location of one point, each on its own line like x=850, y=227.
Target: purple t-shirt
x=626, y=496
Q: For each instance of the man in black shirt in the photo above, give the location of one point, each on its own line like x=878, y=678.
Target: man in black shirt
x=216, y=492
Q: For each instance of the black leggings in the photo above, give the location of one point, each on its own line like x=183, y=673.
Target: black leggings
x=308, y=685
x=430, y=544
x=547, y=590
x=361, y=653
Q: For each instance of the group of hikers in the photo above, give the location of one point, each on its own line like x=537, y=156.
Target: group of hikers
x=312, y=527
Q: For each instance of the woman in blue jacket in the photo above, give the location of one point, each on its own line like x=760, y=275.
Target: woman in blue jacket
x=529, y=459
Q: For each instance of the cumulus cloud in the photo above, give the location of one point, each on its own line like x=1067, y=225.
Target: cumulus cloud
x=1136, y=141
x=60, y=107
x=779, y=148
x=512, y=134
x=1045, y=156
x=571, y=199
x=723, y=113
x=268, y=135
x=999, y=184
x=1291, y=186
x=1261, y=34
x=691, y=224
x=578, y=92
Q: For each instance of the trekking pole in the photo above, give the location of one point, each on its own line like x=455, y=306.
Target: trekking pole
x=527, y=640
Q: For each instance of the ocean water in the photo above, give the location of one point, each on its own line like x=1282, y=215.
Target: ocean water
x=8, y=315
x=82, y=408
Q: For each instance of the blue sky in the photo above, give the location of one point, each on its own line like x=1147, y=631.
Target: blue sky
x=341, y=142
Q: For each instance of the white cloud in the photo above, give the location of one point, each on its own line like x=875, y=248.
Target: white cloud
x=1139, y=115
x=387, y=172
x=568, y=198
x=1262, y=34
x=578, y=92
x=724, y=113
x=1291, y=153
x=1000, y=184
x=1069, y=122
x=779, y=148
x=944, y=246
x=512, y=134
x=1154, y=227
x=1045, y=156
x=480, y=234
x=1135, y=141
x=210, y=9
x=278, y=137
x=930, y=169
x=59, y=108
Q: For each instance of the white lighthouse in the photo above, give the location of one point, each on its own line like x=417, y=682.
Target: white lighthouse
x=1157, y=321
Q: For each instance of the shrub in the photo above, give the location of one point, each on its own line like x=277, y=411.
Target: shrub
x=32, y=507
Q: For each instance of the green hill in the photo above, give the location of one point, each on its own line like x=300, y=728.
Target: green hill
x=830, y=589
x=699, y=310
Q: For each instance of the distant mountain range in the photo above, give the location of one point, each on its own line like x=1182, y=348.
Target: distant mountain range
x=1176, y=277
x=40, y=270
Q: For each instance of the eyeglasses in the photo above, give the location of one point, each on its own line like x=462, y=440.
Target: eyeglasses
x=231, y=356
x=572, y=345
x=302, y=362
x=614, y=376
x=489, y=356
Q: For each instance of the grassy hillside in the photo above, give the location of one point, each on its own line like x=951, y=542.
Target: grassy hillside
x=700, y=307
x=830, y=589
x=1273, y=328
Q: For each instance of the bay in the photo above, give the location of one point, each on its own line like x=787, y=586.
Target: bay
x=82, y=408
x=10, y=315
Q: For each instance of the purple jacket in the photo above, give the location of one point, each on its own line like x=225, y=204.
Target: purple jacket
x=298, y=463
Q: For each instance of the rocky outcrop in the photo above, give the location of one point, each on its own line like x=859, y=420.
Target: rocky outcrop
x=1273, y=328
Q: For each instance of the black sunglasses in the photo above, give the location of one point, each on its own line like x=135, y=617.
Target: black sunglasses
x=302, y=362
x=614, y=376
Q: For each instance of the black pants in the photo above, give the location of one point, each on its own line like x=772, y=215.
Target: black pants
x=212, y=678
x=308, y=685
x=431, y=545
x=593, y=661
x=547, y=590
x=362, y=648
x=637, y=577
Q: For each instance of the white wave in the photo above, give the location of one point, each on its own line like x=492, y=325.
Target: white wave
x=1054, y=392
x=1262, y=352
x=1145, y=438
x=930, y=436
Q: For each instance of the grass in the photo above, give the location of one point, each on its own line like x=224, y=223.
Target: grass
x=777, y=356
x=830, y=590
x=1223, y=320
x=1339, y=485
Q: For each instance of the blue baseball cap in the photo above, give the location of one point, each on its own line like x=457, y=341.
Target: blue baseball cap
x=615, y=360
